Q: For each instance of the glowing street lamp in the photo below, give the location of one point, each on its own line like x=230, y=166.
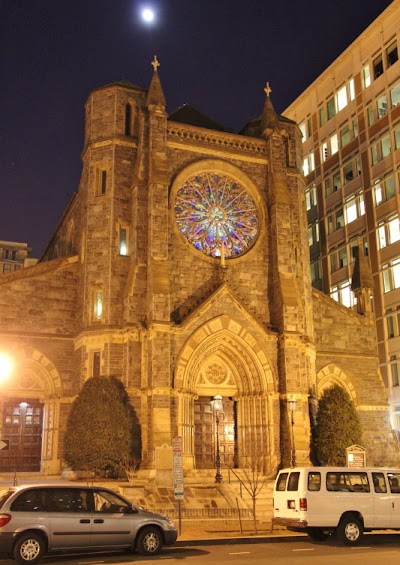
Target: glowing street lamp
x=217, y=407
x=6, y=367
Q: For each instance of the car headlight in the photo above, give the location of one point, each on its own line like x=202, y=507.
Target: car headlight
x=169, y=523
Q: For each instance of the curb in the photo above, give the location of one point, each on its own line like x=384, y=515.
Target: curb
x=239, y=539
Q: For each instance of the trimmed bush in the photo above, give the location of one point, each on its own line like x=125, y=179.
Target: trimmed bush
x=102, y=429
x=338, y=426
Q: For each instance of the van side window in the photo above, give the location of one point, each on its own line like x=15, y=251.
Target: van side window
x=67, y=500
x=293, y=483
x=394, y=482
x=347, y=482
x=30, y=501
x=281, y=485
x=379, y=482
x=314, y=481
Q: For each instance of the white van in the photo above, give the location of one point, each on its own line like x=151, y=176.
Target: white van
x=337, y=500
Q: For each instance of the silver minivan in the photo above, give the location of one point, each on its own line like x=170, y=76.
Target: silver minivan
x=42, y=518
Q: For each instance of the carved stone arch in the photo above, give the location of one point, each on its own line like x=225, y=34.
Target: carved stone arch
x=332, y=375
x=233, y=341
x=36, y=372
x=242, y=371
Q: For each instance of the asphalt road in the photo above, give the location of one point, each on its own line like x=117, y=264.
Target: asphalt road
x=376, y=548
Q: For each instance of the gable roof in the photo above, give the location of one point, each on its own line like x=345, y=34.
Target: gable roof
x=189, y=115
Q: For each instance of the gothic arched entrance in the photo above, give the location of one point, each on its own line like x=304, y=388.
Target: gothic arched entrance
x=223, y=358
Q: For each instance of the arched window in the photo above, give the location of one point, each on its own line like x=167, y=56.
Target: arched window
x=128, y=120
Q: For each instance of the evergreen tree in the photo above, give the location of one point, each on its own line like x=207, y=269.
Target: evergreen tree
x=338, y=426
x=102, y=428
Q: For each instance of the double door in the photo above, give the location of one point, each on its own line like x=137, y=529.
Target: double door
x=22, y=429
x=205, y=433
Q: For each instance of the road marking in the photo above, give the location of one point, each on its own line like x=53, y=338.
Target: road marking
x=305, y=549
x=364, y=547
x=239, y=553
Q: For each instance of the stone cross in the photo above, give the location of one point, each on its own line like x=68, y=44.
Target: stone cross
x=155, y=63
x=268, y=89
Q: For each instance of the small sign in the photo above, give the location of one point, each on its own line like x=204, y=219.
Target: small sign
x=177, y=468
x=4, y=444
x=356, y=456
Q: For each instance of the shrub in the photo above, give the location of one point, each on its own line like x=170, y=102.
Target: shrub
x=102, y=429
x=338, y=426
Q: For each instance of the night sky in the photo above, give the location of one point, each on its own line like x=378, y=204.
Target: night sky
x=215, y=55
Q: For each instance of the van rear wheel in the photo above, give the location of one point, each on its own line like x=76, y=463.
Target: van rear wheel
x=29, y=548
x=350, y=530
x=317, y=534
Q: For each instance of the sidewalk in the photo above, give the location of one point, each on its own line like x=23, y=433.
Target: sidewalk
x=191, y=535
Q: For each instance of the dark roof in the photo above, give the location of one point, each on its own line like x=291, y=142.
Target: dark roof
x=186, y=114
x=124, y=83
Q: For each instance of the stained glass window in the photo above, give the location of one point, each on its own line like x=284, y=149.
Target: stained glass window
x=216, y=215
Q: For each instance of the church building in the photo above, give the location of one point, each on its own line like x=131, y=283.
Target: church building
x=181, y=266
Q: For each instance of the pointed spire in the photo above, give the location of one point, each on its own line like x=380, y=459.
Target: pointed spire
x=362, y=282
x=155, y=96
x=269, y=119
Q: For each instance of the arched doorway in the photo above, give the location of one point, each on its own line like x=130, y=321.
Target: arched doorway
x=222, y=357
x=30, y=415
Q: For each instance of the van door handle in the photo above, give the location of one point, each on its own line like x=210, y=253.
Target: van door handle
x=98, y=521
x=85, y=521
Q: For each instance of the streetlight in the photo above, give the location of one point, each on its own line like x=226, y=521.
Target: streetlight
x=6, y=367
x=292, y=408
x=217, y=407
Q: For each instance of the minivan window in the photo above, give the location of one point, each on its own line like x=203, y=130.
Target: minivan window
x=314, y=481
x=293, y=483
x=394, y=482
x=379, y=482
x=67, y=500
x=347, y=482
x=33, y=500
x=281, y=485
x=105, y=501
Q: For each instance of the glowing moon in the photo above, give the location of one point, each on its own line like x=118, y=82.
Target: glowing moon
x=148, y=15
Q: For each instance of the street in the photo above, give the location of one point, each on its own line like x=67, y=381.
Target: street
x=378, y=548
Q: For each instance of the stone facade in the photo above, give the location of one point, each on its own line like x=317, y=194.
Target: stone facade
x=122, y=291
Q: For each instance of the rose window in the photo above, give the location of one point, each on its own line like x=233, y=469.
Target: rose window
x=216, y=215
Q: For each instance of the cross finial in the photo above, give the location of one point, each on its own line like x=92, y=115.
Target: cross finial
x=267, y=89
x=155, y=63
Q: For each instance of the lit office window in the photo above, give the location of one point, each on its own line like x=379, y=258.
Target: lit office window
x=391, y=275
x=334, y=144
x=341, y=98
x=352, y=92
x=302, y=128
x=366, y=76
x=345, y=136
x=388, y=231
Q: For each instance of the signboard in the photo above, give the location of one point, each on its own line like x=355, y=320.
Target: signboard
x=4, y=444
x=177, y=470
x=356, y=456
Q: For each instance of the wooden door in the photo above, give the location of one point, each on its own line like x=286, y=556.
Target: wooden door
x=22, y=427
x=205, y=433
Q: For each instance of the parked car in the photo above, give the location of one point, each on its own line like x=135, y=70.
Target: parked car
x=43, y=518
x=346, y=501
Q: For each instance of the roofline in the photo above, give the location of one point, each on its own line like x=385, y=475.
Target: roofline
x=375, y=23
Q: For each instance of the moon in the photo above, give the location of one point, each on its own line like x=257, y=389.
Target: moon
x=148, y=15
